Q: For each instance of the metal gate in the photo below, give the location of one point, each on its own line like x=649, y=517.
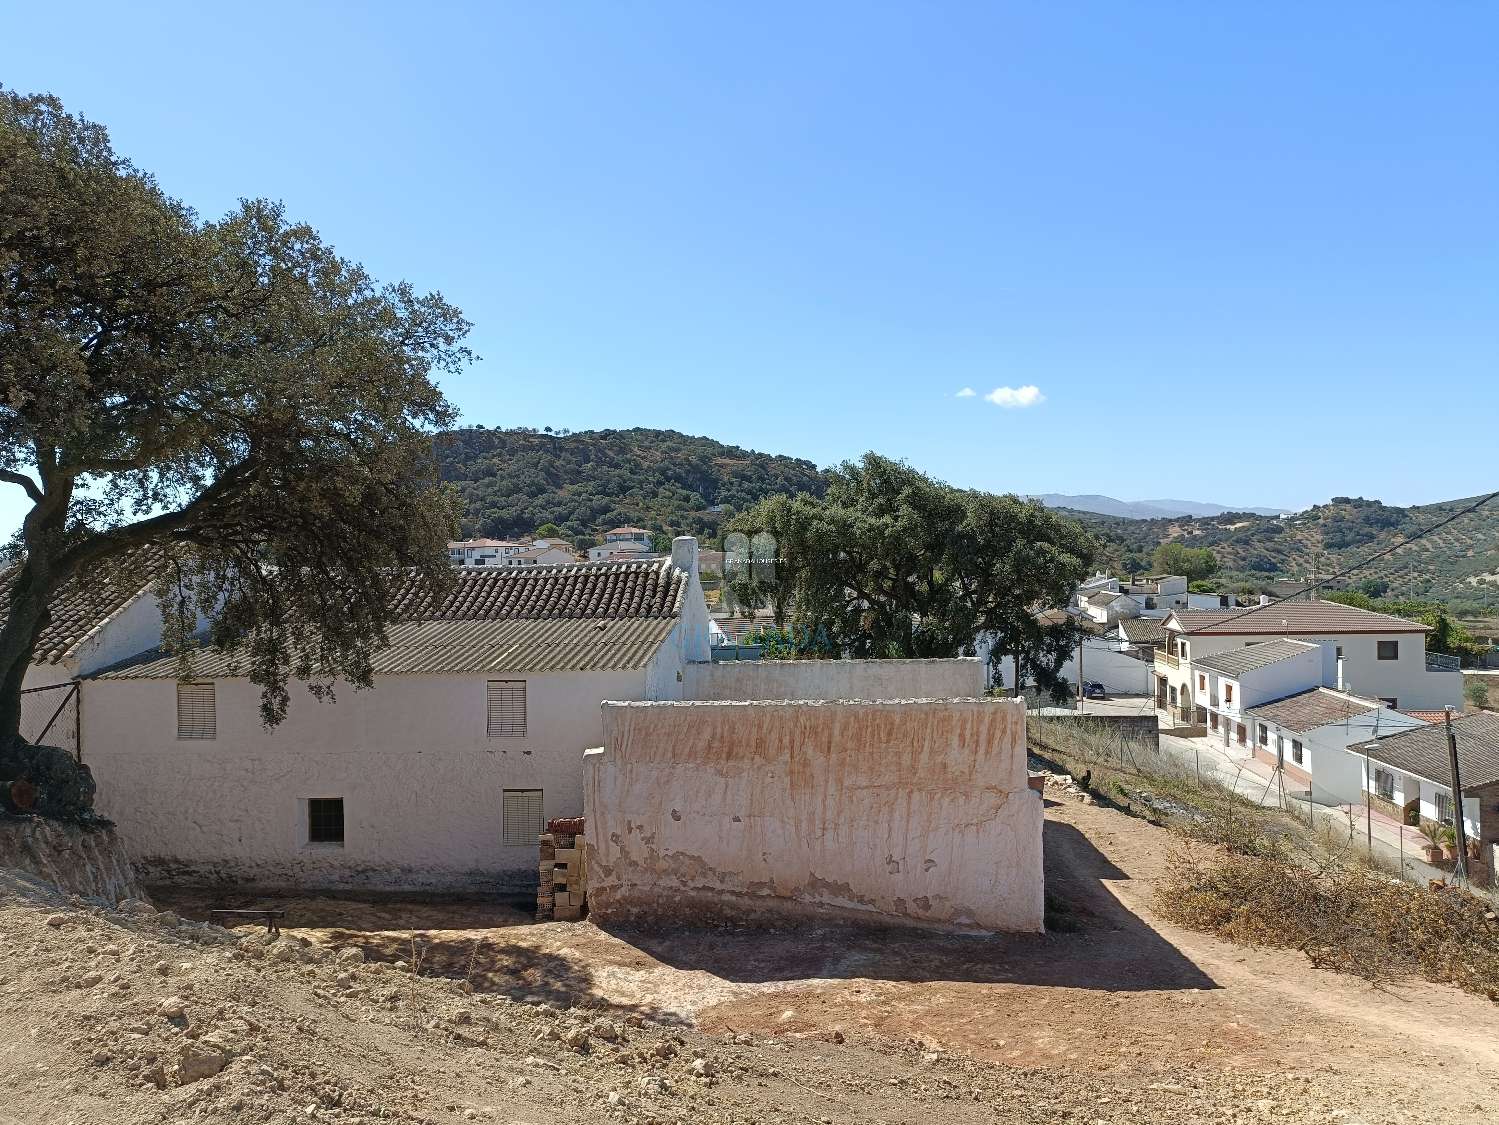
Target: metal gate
x=50, y=717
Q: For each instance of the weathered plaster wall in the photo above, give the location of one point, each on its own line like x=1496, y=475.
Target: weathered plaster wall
x=912, y=810
x=420, y=779
x=961, y=678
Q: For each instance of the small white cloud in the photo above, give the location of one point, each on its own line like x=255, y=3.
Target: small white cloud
x=966, y=392
x=1016, y=398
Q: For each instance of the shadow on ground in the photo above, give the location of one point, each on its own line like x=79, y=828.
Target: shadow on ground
x=1096, y=942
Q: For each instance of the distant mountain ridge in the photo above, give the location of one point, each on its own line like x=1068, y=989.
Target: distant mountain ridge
x=1144, y=509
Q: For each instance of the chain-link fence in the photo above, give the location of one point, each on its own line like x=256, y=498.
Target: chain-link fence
x=49, y=717
x=1187, y=778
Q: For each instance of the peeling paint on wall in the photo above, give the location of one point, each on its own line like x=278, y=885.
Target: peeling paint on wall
x=914, y=810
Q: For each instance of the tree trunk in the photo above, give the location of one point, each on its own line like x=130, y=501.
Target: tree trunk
x=27, y=618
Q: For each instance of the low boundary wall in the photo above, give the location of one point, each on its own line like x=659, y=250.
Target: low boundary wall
x=954, y=678
x=910, y=810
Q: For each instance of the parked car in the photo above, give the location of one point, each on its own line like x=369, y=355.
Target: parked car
x=1092, y=689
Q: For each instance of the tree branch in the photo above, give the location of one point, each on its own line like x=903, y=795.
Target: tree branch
x=21, y=480
x=133, y=535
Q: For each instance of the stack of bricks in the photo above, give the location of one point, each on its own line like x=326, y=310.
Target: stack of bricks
x=561, y=893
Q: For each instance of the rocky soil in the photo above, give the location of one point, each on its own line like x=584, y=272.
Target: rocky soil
x=123, y=1014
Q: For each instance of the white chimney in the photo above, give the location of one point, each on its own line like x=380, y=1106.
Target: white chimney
x=684, y=553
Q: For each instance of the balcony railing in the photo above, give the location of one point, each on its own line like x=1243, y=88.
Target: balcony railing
x=1170, y=659
x=1441, y=662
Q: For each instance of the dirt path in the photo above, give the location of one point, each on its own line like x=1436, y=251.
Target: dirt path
x=1117, y=996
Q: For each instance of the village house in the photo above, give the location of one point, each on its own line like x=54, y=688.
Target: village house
x=1107, y=607
x=506, y=552
x=1158, y=594
x=622, y=543
x=1375, y=655
x=1308, y=733
x=1139, y=636
x=439, y=777
x=1408, y=776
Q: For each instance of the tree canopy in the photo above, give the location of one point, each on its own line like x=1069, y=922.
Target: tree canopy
x=892, y=563
x=1196, y=563
x=231, y=392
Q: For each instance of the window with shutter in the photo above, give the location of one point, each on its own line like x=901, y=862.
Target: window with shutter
x=507, y=709
x=521, y=815
x=196, y=717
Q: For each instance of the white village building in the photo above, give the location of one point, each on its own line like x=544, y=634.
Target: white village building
x=441, y=776
x=1408, y=776
x=1374, y=655
x=622, y=543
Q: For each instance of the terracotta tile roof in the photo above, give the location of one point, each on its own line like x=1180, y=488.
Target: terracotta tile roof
x=573, y=617
x=1104, y=597
x=1423, y=751
x=1292, y=619
x=1237, y=661
x=1426, y=716
x=1308, y=710
x=85, y=603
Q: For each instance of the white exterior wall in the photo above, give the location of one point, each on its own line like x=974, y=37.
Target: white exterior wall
x=420, y=779
x=133, y=630
x=1119, y=672
x=48, y=675
x=1405, y=680
x=961, y=678
x=1429, y=791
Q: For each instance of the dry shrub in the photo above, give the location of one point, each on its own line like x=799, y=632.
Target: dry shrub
x=1341, y=916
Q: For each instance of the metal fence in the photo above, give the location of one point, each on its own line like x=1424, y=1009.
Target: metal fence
x=1170, y=763
x=49, y=717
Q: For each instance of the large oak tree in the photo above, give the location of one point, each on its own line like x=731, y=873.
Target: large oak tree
x=891, y=563
x=228, y=399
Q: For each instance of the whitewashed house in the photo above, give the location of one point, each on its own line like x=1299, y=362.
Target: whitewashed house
x=1408, y=776
x=622, y=543
x=1374, y=655
x=1308, y=735
x=1274, y=701
x=441, y=776
x=1107, y=607
x=1158, y=594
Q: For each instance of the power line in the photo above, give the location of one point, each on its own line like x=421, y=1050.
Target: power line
x=1390, y=550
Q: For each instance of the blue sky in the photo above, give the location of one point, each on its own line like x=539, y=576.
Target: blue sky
x=1248, y=256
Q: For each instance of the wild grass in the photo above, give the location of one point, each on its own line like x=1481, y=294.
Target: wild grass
x=1260, y=877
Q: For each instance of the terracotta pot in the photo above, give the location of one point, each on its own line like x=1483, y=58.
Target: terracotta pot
x=1449, y=852
x=1433, y=853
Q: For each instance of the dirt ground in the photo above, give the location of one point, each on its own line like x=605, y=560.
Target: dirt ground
x=1114, y=1017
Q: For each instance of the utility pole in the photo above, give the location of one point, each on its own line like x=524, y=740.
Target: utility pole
x=1457, y=804
x=1080, y=680
x=1369, y=804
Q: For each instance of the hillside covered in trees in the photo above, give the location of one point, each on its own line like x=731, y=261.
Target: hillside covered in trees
x=514, y=481
x=1458, y=565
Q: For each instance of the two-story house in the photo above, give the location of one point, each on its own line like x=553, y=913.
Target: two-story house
x=622, y=543
x=1374, y=655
